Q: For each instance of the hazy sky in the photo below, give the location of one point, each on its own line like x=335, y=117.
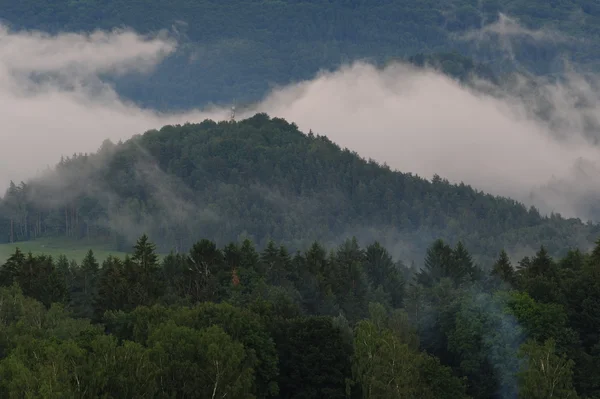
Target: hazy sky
x=53, y=103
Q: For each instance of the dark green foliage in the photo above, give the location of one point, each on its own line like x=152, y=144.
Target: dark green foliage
x=503, y=269
x=383, y=272
x=444, y=262
x=439, y=382
x=144, y=255
x=240, y=324
x=314, y=360
x=265, y=178
x=83, y=286
x=338, y=323
x=540, y=278
x=37, y=276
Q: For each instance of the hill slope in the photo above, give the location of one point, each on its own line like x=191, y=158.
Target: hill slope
x=237, y=49
x=265, y=178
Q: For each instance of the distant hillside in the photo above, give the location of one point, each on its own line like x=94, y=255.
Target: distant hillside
x=238, y=49
x=454, y=65
x=266, y=179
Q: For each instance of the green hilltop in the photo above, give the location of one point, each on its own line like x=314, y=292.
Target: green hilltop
x=263, y=179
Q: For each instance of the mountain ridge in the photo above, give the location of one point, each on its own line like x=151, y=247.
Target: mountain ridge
x=265, y=179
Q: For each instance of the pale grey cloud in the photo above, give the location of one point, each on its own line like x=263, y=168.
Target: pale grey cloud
x=117, y=51
x=53, y=102
x=423, y=122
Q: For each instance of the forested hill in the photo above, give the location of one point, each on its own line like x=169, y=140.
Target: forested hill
x=238, y=49
x=262, y=178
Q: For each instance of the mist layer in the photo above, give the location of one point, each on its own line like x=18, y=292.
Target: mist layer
x=54, y=102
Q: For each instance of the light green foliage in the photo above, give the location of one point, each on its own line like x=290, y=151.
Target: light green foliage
x=542, y=321
x=240, y=325
x=384, y=366
x=388, y=365
x=547, y=374
x=200, y=363
x=75, y=250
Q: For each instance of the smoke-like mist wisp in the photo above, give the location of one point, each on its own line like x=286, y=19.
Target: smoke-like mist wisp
x=54, y=103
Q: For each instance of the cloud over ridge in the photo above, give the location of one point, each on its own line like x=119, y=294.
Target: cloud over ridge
x=54, y=103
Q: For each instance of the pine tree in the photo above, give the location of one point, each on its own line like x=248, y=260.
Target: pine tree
x=541, y=265
x=464, y=267
x=439, y=262
x=112, y=287
x=85, y=286
x=269, y=260
x=383, y=272
x=144, y=254
x=503, y=269
x=11, y=268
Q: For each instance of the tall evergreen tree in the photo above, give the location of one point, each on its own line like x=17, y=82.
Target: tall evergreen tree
x=145, y=254
x=85, y=285
x=503, y=269
x=383, y=272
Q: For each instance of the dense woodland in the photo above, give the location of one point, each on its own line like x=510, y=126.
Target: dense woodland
x=344, y=322
x=232, y=49
x=442, y=291
x=261, y=178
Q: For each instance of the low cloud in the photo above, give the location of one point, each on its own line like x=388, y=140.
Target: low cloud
x=55, y=103
x=80, y=54
x=535, y=145
x=422, y=122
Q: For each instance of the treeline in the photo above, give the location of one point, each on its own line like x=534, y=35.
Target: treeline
x=264, y=179
x=278, y=42
x=349, y=322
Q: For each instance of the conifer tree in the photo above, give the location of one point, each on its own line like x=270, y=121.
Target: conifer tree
x=503, y=269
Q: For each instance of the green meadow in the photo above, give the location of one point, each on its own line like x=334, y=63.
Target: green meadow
x=54, y=247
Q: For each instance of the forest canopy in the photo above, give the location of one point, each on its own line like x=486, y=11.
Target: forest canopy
x=343, y=322
x=261, y=178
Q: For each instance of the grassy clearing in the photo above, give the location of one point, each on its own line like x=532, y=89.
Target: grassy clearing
x=53, y=246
